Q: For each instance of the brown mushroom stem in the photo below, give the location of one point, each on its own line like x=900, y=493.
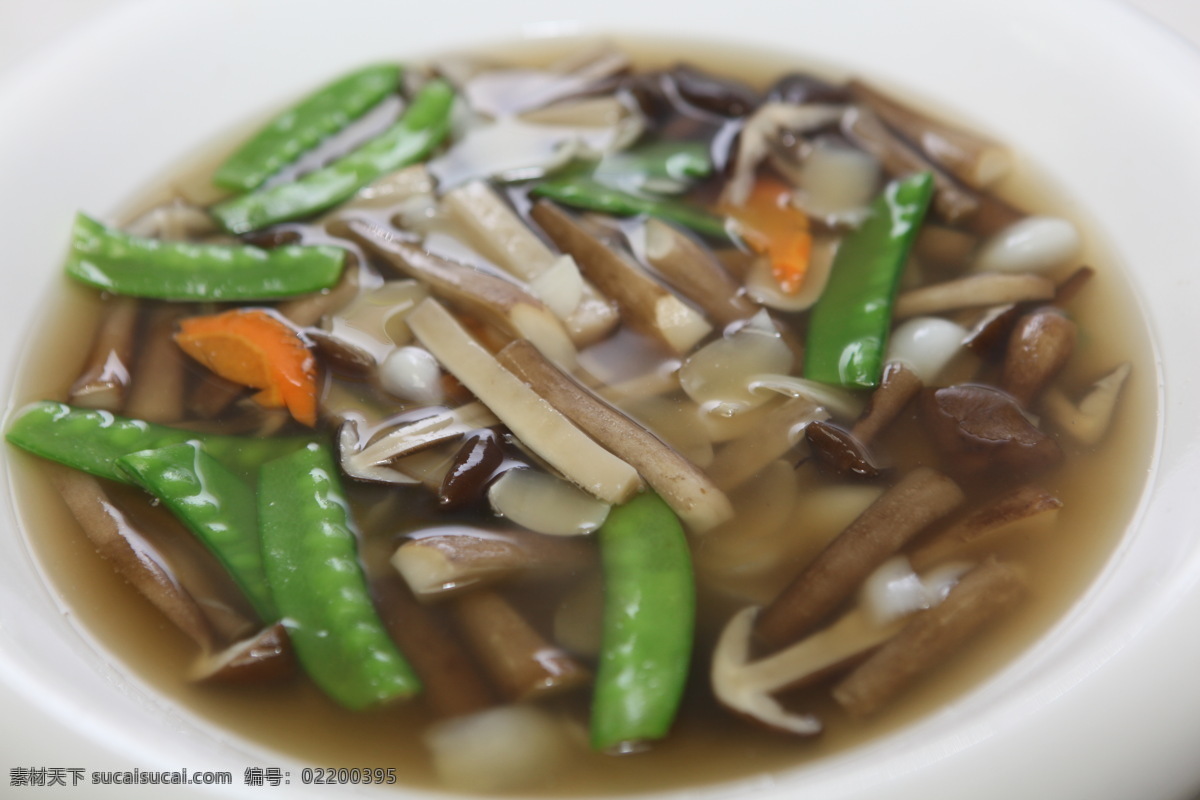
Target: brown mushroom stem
x=531, y=419
x=684, y=487
x=453, y=683
x=442, y=560
x=265, y=656
x=500, y=301
x=922, y=497
x=104, y=379
x=644, y=303
x=507, y=240
x=156, y=393
x=134, y=558
x=979, y=429
x=777, y=433
x=1038, y=349
x=983, y=524
x=1088, y=421
x=972, y=291
x=982, y=595
x=695, y=273
x=520, y=661
x=897, y=387
x=975, y=160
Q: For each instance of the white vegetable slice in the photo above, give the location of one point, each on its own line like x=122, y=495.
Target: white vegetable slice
x=545, y=504
x=530, y=418
x=927, y=345
x=1034, y=244
x=505, y=748
x=718, y=376
x=838, y=402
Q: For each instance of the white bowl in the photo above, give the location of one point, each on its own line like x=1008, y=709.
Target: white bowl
x=1105, y=706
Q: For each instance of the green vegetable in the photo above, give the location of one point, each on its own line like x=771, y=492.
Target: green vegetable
x=303, y=126
x=848, y=329
x=311, y=558
x=635, y=181
x=421, y=128
x=649, y=609
x=92, y=441
x=218, y=507
x=114, y=261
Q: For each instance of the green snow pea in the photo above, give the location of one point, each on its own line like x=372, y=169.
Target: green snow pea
x=301, y=127
x=91, y=440
x=649, y=611
x=420, y=129
x=311, y=557
x=848, y=329
x=114, y=261
x=217, y=506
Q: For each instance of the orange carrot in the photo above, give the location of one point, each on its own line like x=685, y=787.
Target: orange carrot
x=256, y=348
x=773, y=227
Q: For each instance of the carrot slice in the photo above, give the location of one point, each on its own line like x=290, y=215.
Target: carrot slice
x=256, y=348
x=773, y=227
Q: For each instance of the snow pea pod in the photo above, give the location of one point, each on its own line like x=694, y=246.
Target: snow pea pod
x=91, y=440
x=848, y=329
x=649, y=610
x=420, y=129
x=115, y=261
x=301, y=127
x=217, y=506
x=311, y=559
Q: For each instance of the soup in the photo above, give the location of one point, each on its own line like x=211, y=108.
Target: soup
x=797, y=371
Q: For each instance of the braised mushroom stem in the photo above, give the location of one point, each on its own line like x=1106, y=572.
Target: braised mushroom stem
x=990, y=333
x=1038, y=349
x=973, y=159
x=779, y=432
x=897, y=387
x=695, y=273
x=517, y=658
x=156, y=392
x=1088, y=421
x=103, y=381
x=531, y=419
x=265, y=656
x=982, y=595
x=502, y=302
x=507, y=240
x=454, y=685
x=972, y=291
x=448, y=559
x=920, y=498
x=644, y=303
x=116, y=539
x=982, y=524
x=689, y=492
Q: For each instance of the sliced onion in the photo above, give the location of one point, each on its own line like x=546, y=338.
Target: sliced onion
x=838, y=402
x=505, y=748
x=412, y=373
x=543, y=503
x=926, y=345
x=1034, y=244
x=838, y=183
x=763, y=287
x=718, y=376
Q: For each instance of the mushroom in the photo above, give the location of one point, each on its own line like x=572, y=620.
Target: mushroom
x=501, y=301
x=767, y=122
x=367, y=454
x=1040, y=346
x=1089, y=420
x=500, y=92
x=838, y=453
x=689, y=492
x=504, y=238
x=973, y=159
x=265, y=656
x=104, y=379
x=157, y=381
x=980, y=429
x=449, y=558
x=917, y=500
x=475, y=463
x=981, y=595
x=644, y=303
x=545, y=504
x=774, y=435
x=695, y=273
x=531, y=419
x=746, y=686
x=983, y=523
x=898, y=385
x=519, y=660
x=972, y=291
